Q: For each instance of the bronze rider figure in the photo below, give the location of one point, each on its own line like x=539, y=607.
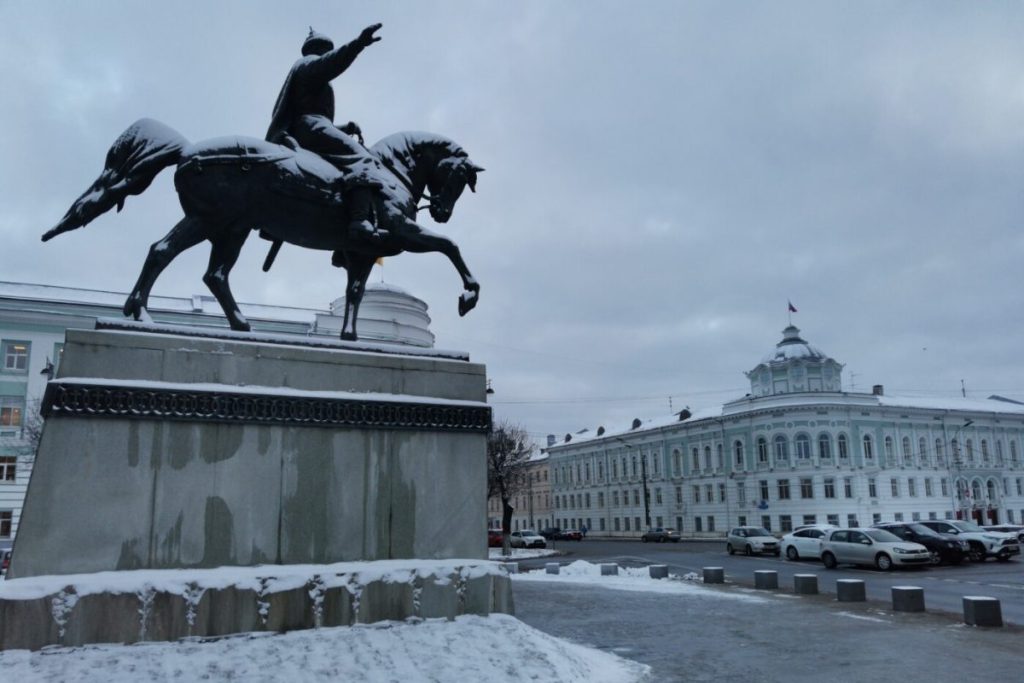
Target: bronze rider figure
x=304, y=117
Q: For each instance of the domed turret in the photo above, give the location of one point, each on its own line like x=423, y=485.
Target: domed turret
x=794, y=366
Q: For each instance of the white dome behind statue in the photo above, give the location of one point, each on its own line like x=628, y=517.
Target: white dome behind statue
x=387, y=313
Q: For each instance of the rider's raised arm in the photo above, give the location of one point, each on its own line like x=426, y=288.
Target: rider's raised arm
x=328, y=66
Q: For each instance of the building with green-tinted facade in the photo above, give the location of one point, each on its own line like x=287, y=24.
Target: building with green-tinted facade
x=796, y=450
x=33, y=320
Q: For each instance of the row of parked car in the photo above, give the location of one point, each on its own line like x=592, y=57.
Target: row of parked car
x=528, y=538
x=885, y=545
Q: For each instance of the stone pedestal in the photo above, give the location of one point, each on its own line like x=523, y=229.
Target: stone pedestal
x=850, y=590
x=714, y=575
x=907, y=599
x=805, y=584
x=981, y=610
x=163, y=450
x=658, y=571
x=766, y=579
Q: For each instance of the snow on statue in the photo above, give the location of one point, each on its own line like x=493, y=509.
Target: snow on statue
x=319, y=188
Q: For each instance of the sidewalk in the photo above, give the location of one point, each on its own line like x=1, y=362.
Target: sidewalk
x=768, y=636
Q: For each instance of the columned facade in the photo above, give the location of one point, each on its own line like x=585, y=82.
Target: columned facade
x=796, y=450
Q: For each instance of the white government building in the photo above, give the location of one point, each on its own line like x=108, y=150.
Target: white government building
x=796, y=450
x=33, y=319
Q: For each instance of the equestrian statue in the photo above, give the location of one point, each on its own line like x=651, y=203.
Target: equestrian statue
x=309, y=183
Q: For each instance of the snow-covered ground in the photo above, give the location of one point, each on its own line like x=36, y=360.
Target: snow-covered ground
x=471, y=648
x=520, y=554
x=497, y=648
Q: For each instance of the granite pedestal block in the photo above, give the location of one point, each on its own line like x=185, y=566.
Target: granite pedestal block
x=167, y=605
x=170, y=451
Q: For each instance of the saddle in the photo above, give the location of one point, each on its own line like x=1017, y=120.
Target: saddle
x=298, y=173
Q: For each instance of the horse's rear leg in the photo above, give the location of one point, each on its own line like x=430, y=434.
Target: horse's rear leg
x=359, y=267
x=223, y=255
x=186, y=234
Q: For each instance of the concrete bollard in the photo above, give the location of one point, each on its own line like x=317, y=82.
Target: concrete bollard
x=766, y=579
x=850, y=590
x=551, y=568
x=805, y=584
x=907, y=599
x=609, y=569
x=714, y=575
x=982, y=611
x=510, y=567
x=659, y=571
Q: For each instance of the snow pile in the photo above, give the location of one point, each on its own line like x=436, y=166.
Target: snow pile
x=637, y=579
x=496, y=649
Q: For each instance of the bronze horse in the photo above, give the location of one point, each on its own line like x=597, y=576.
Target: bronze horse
x=231, y=186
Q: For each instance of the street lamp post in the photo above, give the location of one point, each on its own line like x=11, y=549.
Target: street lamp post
x=955, y=467
x=647, y=493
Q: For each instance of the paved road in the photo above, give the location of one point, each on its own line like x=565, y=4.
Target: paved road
x=778, y=638
x=944, y=586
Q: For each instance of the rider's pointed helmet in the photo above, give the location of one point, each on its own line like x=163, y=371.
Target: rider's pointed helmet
x=316, y=43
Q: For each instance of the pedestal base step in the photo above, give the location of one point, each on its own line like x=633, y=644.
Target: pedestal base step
x=168, y=604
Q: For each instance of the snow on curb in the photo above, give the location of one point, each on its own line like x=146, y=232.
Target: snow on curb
x=520, y=554
x=497, y=649
x=636, y=579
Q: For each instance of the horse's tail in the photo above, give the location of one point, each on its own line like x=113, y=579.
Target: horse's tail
x=133, y=161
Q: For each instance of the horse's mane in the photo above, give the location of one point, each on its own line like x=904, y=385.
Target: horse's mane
x=402, y=147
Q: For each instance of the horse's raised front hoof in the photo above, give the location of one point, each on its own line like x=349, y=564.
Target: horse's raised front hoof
x=240, y=325
x=468, y=300
x=349, y=336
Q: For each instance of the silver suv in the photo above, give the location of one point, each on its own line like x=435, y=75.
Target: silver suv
x=872, y=547
x=983, y=543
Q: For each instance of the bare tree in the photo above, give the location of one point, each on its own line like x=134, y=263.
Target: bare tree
x=508, y=451
x=31, y=432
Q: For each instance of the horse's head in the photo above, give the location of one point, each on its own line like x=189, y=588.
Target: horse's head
x=451, y=176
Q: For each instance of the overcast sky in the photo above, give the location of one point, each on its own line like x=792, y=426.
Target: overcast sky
x=661, y=178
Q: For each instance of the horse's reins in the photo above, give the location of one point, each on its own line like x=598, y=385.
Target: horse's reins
x=388, y=164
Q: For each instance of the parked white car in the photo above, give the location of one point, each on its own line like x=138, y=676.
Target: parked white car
x=983, y=543
x=1015, y=529
x=805, y=542
x=527, y=538
x=750, y=540
x=872, y=547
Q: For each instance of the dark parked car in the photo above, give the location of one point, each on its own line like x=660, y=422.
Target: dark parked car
x=494, y=538
x=657, y=534
x=570, y=535
x=943, y=547
x=551, y=533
